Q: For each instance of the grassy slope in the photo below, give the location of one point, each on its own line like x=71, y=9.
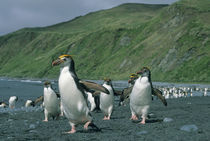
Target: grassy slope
x=173, y=41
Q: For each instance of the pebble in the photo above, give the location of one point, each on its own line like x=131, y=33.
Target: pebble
x=189, y=128
x=167, y=119
x=141, y=132
x=32, y=126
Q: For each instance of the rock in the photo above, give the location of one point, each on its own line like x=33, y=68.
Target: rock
x=189, y=128
x=167, y=119
x=141, y=132
x=32, y=126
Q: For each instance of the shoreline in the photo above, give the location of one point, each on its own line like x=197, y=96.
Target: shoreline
x=183, y=119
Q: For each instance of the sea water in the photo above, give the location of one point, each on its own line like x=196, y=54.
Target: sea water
x=31, y=89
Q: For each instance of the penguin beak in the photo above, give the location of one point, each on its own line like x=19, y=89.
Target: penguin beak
x=57, y=62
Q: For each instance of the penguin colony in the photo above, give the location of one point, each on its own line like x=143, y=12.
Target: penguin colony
x=76, y=96
x=75, y=93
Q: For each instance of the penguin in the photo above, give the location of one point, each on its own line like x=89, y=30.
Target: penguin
x=29, y=103
x=51, y=102
x=126, y=91
x=12, y=101
x=107, y=100
x=73, y=97
x=141, y=95
x=91, y=99
x=3, y=105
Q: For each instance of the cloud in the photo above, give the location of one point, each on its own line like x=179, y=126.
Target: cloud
x=17, y=14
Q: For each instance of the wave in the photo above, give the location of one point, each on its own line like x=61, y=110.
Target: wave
x=31, y=81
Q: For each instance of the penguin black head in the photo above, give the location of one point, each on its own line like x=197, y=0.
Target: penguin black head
x=107, y=81
x=144, y=72
x=64, y=60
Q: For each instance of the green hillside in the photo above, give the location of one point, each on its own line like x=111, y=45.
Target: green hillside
x=172, y=40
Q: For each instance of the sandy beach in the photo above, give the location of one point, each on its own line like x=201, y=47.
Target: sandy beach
x=183, y=119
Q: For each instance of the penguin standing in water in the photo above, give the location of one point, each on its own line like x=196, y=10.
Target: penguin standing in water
x=141, y=95
x=72, y=91
x=29, y=103
x=12, y=101
x=51, y=102
x=107, y=100
x=3, y=105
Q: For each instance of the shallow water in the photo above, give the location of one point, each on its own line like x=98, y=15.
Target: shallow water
x=31, y=89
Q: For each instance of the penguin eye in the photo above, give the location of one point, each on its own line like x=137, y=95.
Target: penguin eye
x=64, y=59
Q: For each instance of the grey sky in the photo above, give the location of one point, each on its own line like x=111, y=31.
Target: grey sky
x=17, y=14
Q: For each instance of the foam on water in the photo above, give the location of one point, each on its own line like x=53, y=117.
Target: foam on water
x=31, y=81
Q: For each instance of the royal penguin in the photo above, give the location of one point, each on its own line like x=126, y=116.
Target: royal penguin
x=91, y=100
x=29, y=103
x=51, y=102
x=141, y=95
x=72, y=91
x=107, y=100
x=12, y=101
x=125, y=96
x=3, y=105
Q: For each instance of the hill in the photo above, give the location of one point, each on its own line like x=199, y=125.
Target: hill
x=173, y=40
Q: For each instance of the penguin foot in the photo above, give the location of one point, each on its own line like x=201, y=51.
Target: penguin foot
x=143, y=121
x=134, y=117
x=73, y=130
x=86, y=125
x=106, y=118
x=46, y=120
x=70, y=132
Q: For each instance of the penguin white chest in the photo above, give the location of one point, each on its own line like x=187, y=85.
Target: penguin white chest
x=50, y=98
x=73, y=101
x=106, y=100
x=141, y=93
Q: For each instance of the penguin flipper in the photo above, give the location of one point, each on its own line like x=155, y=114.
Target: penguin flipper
x=90, y=86
x=117, y=92
x=158, y=93
x=39, y=99
x=57, y=94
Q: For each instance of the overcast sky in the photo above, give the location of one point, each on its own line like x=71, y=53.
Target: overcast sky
x=17, y=14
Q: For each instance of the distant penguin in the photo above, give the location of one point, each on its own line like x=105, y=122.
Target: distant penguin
x=107, y=100
x=73, y=97
x=12, y=101
x=126, y=91
x=29, y=103
x=51, y=102
x=91, y=100
x=3, y=105
x=141, y=95
x=61, y=109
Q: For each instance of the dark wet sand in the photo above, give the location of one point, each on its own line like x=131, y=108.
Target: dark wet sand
x=23, y=125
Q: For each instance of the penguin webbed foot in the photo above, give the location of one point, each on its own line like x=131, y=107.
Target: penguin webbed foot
x=134, y=117
x=45, y=120
x=92, y=125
